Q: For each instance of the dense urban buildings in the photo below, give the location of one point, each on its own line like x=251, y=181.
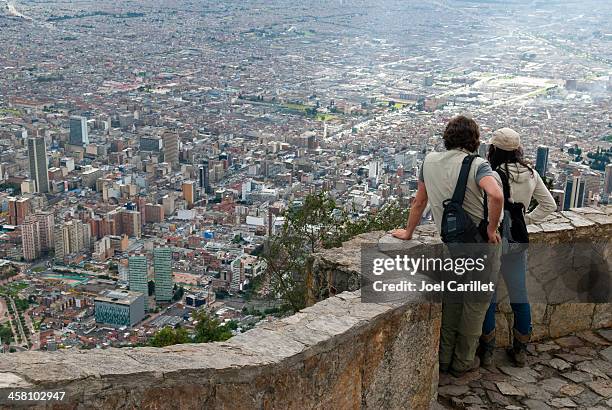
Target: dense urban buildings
x=152, y=147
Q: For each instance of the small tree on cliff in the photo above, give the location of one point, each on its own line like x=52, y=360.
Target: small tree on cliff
x=287, y=254
x=316, y=224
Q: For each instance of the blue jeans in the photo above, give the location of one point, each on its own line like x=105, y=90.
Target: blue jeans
x=513, y=270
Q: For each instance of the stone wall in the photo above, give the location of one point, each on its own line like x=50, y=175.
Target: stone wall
x=557, y=256
x=339, y=353
x=553, y=263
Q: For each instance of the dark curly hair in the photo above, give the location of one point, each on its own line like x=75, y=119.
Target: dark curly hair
x=462, y=132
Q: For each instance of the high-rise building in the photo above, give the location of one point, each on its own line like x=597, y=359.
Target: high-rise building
x=46, y=223
x=542, y=160
x=125, y=222
x=574, y=192
x=18, y=209
x=218, y=171
x=154, y=213
x=37, y=235
x=171, y=148
x=608, y=180
x=189, y=193
x=37, y=154
x=152, y=144
x=592, y=187
x=247, y=187
x=103, y=249
x=162, y=263
x=138, y=278
x=130, y=223
x=62, y=247
x=78, y=131
x=168, y=204
x=375, y=170
x=30, y=239
x=141, y=202
x=226, y=157
x=204, y=177
x=72, y=237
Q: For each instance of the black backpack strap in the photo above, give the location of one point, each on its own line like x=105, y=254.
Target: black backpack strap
x=485, y=205
x=466, y=165
x=505, y=184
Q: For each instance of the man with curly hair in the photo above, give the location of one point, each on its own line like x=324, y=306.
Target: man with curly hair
x=461, y=322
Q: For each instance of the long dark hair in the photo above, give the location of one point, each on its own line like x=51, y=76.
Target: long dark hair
x=499, y=157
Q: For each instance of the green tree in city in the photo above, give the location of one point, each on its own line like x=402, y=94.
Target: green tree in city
x=16, y=188
x=178, y=293
x=288, y=254
x=311, y=111
x=6, y=335
x=169, y=336
x=208, y=329
x=21, y=304
x=113, y=267
x=7, y=272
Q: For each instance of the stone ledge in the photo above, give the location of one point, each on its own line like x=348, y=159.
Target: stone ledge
x=268, y=344
x=334, y=351
x=572, y=226
x=558, y=316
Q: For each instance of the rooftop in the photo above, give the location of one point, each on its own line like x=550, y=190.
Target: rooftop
x=120, y=297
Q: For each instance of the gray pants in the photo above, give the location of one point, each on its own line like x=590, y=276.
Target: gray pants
x=461, y=329
x=462, y=318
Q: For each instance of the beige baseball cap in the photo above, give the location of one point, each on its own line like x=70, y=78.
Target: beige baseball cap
x=506, y=139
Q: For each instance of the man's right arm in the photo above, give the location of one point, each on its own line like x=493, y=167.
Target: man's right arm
x=495, y=203
x=419, y=203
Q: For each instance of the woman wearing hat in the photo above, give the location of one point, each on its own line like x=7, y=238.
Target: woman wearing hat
x=506, y=156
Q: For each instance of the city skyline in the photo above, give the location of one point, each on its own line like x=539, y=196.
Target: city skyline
x=129, y=130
